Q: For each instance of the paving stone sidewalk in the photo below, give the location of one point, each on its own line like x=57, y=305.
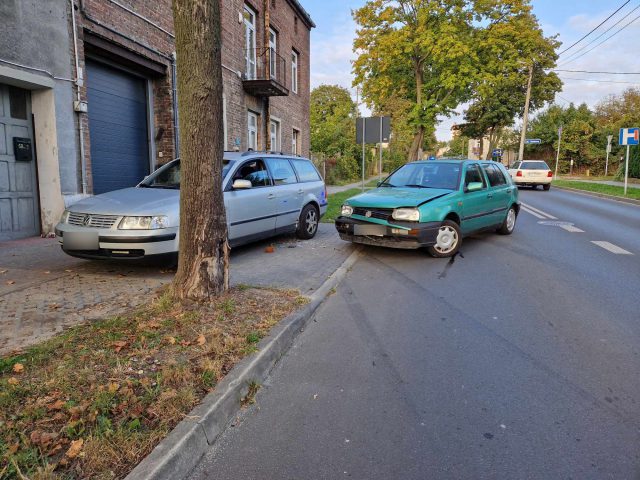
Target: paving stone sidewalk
x=43, y=291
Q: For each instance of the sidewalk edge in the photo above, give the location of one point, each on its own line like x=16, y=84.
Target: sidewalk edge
x=630, y=201
x=178, y=453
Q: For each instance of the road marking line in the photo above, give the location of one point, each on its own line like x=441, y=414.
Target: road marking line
x=537, y=210
x=571, y=228
x=612, y=248
x=531, y=212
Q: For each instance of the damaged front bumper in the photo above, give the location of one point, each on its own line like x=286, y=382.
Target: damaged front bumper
x=407, y=235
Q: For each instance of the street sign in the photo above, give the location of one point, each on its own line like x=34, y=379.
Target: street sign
x=372, y=131
x=431, y=157
x=629, y=136
x=497, y=152
x=532, y=140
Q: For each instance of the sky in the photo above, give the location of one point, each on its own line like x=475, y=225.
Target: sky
x=331, y=47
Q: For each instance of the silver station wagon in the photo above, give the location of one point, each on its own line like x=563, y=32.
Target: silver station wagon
x=265, y=194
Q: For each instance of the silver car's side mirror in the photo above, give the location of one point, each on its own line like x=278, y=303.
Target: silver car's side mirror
x=241, y=184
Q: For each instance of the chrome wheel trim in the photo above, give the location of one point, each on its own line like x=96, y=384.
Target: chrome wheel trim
x=447, y=239
x=311, y=221
x=511, y=219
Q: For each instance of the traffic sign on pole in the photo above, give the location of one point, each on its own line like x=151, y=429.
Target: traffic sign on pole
x=629, y=136
x=532, y=140
x=606, y=164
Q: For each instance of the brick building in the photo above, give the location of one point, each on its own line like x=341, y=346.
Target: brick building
x=90, y=85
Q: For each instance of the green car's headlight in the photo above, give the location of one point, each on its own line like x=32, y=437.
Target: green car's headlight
x=408, y=214
x=144, y=223
x=347, y=210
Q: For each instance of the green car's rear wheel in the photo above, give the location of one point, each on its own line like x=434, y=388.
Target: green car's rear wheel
x=448, y=240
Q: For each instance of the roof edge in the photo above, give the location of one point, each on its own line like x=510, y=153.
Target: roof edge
x=303, y=13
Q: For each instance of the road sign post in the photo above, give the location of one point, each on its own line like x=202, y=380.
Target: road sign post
x=555, y=174
x=628, y=137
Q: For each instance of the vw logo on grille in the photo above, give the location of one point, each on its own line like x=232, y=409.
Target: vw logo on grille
x=368, y=214
x=87, y=220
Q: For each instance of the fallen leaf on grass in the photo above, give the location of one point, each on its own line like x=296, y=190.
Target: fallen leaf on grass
x=40, y=438
x=10, y=282
x=201, y=340
x=171, y=340
x=18, y=368
x=14, y=448
x=13, y=381
x=113, y=387
x=119, y=345
x=75, y=448
x=57, y=405
x=184, y=343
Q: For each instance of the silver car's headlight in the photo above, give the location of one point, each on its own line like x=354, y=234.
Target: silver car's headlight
x=409, y=214
x=347, y=210
x=65, y=217
x=144, y=223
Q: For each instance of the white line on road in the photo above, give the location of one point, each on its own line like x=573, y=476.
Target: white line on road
x=531, y=212
x=571, y=228
x=611, y=247
x=538, y=211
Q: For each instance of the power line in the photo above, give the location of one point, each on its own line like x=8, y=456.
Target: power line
x=600, y=81
x=573, y=45
x=603, y=33
x=609, y=37
x=587, y=71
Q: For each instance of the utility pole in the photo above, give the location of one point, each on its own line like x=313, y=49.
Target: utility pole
x=526, y=114
x=606, y=165
x=555, y=175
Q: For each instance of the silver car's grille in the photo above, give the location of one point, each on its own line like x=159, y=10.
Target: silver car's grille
x=379, y=213
x=90, y=220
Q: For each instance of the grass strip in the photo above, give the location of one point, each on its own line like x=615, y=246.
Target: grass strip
x=600, y=188
x=335, y=203
x=95, y=400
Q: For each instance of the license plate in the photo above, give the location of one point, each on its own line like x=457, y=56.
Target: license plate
x=80, y=241
x=376, y=230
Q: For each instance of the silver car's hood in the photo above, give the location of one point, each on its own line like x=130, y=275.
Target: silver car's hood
x=131, y=201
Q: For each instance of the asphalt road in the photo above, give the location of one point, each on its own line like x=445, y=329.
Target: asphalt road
x=520, y=359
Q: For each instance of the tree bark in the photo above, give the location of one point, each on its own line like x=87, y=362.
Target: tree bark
x=203, y=266
x=418, y=138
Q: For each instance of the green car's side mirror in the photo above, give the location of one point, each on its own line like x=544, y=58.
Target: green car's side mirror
x=474, y=186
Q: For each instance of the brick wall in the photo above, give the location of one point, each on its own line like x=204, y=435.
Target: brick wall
x=109, y=21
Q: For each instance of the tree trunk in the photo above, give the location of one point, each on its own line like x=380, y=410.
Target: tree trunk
x=203, y=267
x=492, y=142
x=418, y=138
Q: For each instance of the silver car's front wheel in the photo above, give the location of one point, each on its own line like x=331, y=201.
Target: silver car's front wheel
x=448, y=240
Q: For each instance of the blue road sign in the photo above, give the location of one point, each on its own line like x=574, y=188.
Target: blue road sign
x=432, y=157
x=497, y=152
x=532, y=140
x=629, y=136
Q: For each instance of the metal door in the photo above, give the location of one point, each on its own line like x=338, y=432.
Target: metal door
x=19, y=216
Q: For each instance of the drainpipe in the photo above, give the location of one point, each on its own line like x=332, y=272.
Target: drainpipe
x=83, y=163
x=267, y=111
x=176, y=125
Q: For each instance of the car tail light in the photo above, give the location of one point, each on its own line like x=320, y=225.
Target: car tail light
x=518, y=173
x=549, y=174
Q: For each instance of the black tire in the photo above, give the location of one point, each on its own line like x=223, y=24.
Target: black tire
x=308, y=222
x=546, y=187
x=450, y=246
x=509, y=223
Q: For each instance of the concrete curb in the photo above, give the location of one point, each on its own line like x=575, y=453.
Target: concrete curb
x=630, y=201
x=176, y=455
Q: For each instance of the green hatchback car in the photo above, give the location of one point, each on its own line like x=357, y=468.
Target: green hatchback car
x=432, y=205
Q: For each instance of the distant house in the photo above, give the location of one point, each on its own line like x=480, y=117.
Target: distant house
x=89, y=87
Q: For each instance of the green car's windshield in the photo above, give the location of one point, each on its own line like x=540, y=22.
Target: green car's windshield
x=425, y=175
x=168, y=176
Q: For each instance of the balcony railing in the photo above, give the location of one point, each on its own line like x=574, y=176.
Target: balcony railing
x=265, y=73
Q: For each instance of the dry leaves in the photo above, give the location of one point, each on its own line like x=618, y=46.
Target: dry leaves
x=57, y=405
x=18, y=368
x=75, y=448
x=119, y=345
x=13, y=381
x=201, y=340
x=10, y=282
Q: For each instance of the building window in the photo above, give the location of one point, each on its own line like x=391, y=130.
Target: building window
x=294, y=71
x=295, y=142
x=250, y=42
x=274, y=129
x=273, y=54
x=252, y=131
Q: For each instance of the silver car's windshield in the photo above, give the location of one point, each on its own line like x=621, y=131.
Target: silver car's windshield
x=425, y=175
x=168, y=176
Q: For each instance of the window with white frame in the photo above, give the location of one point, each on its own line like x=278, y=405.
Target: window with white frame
x=274, y=129
x=294, y=71
x=252, y=131
x=295, y=142
x=249, y=42
x=273, y=54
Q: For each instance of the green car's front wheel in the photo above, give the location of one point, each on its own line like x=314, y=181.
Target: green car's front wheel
x=448, y=240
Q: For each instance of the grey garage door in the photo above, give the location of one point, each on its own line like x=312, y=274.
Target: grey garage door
x=117, y=127
x=18, y=185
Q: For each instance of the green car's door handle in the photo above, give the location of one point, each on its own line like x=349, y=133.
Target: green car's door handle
x=490, y=195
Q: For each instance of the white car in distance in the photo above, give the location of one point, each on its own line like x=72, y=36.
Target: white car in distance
x=531, y=173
